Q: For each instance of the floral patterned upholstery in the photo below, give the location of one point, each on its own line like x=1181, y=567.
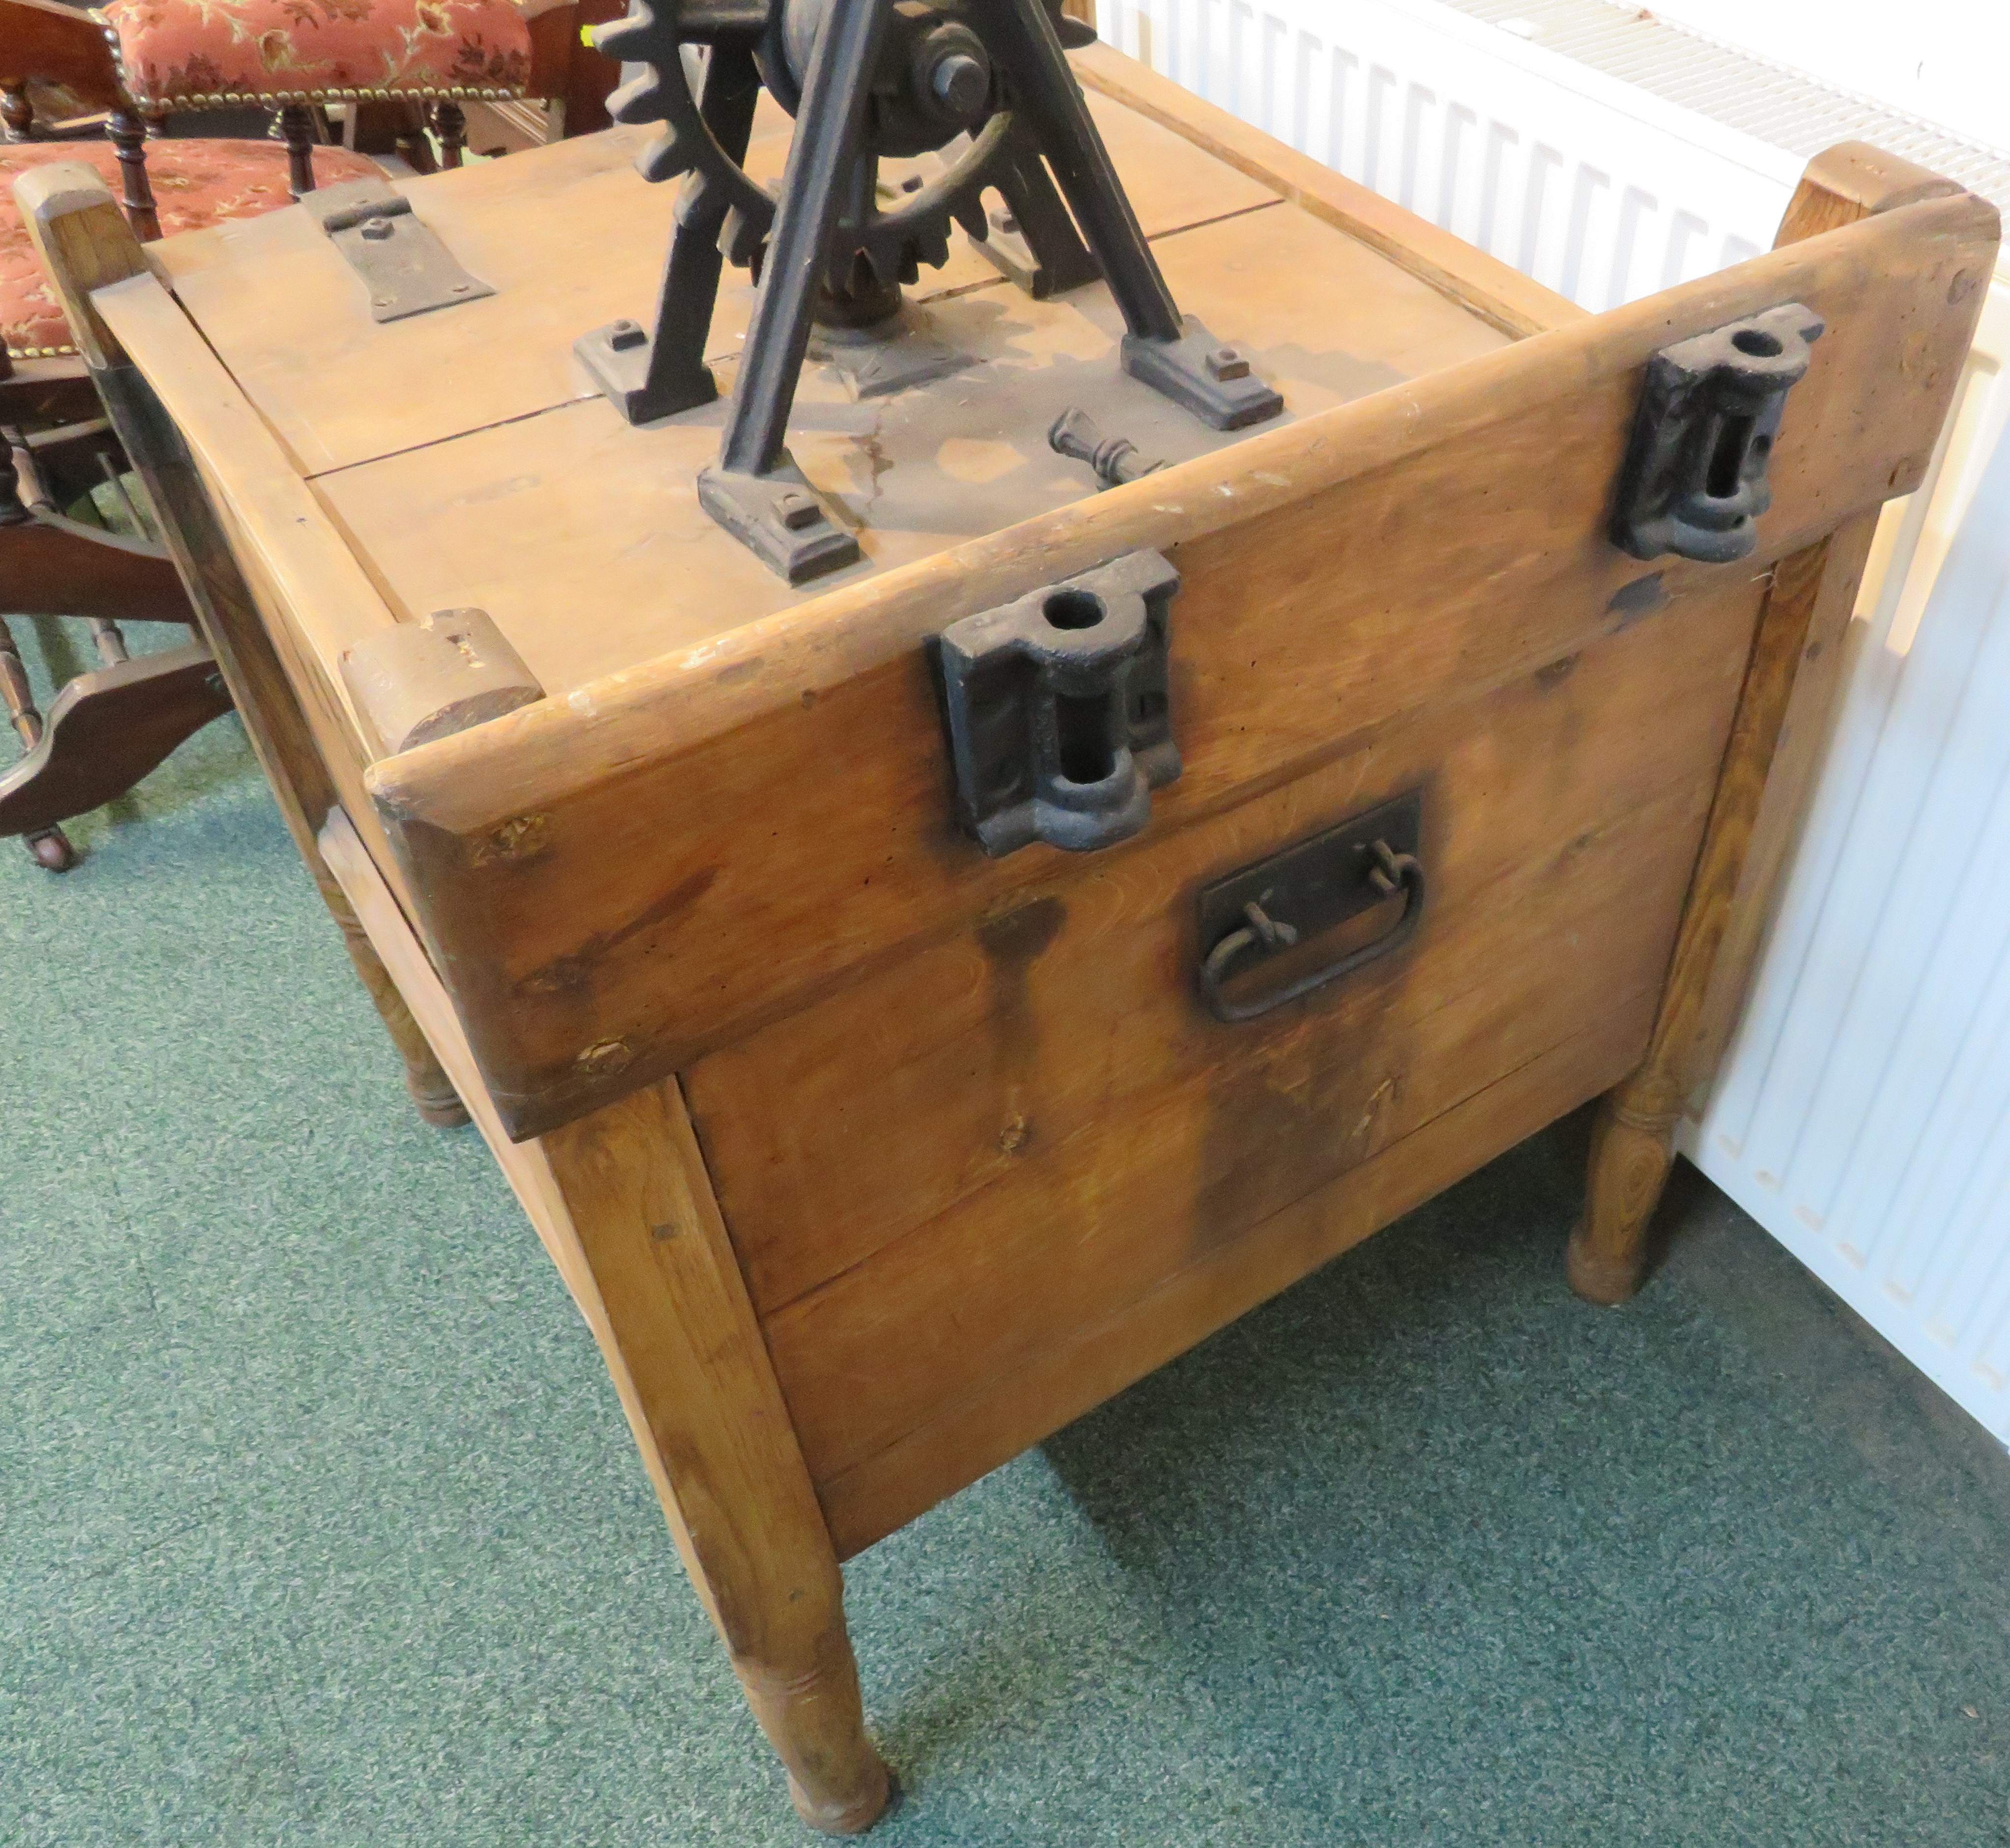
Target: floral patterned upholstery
x=195, y=183
x=196, y=54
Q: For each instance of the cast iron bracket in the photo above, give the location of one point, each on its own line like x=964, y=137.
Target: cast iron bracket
x=779, y=518
x=1202, y=375
x=405, y=267
x=985, y=84
x=1057, y=710
x=1694, y=481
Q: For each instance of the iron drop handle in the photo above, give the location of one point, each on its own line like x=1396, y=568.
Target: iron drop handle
x=1390, y=874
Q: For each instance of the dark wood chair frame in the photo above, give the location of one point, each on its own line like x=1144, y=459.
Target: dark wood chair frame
x=108, y=727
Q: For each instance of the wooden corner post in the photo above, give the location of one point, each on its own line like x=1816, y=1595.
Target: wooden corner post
x=85, y=244
x=1789, y=683
x=709, y=1414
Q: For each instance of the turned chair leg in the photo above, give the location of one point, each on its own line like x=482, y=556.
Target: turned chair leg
x=128, y=136
x=409, y=143
x=296, y=130
x=49, y=847
x=17, y=112
x=450, y=124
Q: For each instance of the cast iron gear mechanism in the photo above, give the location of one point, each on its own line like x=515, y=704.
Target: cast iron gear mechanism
x=980, y=84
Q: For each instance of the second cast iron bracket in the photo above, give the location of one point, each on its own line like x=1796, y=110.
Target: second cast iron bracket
x=1057, y=709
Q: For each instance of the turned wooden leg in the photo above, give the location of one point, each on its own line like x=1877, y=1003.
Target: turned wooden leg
x=812, y=1714
x=296, y=130
x=1768, y=763
x=13, y=510
x=129, y=137
x=21, y=711
x=1632, y=1151
x=623, y=1203
x=432, y=1089
x=687, y=1353
x=450, y=123
x=48, y=847
x=410, y=144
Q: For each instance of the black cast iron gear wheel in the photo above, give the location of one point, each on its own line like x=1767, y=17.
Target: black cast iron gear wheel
x=650, y=37
x=894, y=242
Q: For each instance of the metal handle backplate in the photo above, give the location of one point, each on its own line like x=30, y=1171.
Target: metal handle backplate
x=1259, y=913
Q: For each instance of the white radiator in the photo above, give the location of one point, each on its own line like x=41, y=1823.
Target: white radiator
x=1864, y=1113
x=1574, y=177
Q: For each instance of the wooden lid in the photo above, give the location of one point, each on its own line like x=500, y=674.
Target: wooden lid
x=468, y=461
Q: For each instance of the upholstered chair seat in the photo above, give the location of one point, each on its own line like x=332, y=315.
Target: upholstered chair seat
x=195, y=183
x=202, y=54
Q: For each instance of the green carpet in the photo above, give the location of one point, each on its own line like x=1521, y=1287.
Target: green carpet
x=321, y=1524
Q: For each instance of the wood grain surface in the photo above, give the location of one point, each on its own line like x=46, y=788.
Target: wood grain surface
x=570, y=237
x=1427, y=541
x=962, y=1067
x=584, y=540
x=1090, y=1132
x=962, y=1438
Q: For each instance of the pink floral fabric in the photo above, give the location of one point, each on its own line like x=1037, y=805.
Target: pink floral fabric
x=196, y=184
x=188, y=54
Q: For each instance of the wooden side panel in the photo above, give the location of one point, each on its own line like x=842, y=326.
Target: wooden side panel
x=329, y=598
x=961, y=1439
x=964, y=1180
x=1421, y=545
x=313, y=599
x=88, y=250
x=966, y=1064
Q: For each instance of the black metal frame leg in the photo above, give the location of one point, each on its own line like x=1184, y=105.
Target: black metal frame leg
x=754, y=490
x=1172, y=354
x=647, y=373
